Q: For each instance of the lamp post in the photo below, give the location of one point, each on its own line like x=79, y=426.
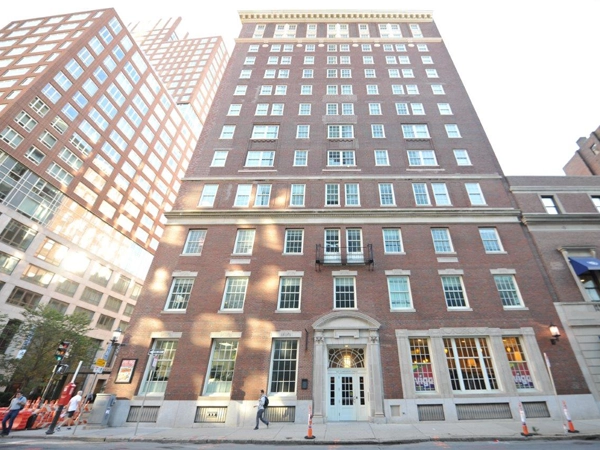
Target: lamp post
x=114, y=346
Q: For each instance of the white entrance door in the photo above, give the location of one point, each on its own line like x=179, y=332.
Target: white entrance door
x=346, y=395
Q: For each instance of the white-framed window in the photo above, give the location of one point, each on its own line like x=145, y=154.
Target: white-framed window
x=462, y=157
x=344, y=59
x=437, y=89
x=391, y=60
x=422, y=48
x=209, y=192
x=431, y=73
x=234, y=110
x=415, y=29
x=179, y=294
x=426, y=59
x=402, y=109
x=294, y=238
x=260, y=158
x=341, y=158
x=491, y=240
x=389, y=30
x=242, y=195
x=508, y=290
x=345, y=73
x=332, y=89
x=397, y=89
x=421, y=194
x=347, y=109
x=550, y=204
x=386, y=194
x=277, y=109
x=194, y=242
x=346, y=89
x=392, y=240
x=363, y=30
x=417, y=109
x=422, y=158
x=11, y=137
x=156, y=376
x=300, y=158
x=245, y=73
x=403, y=59
x=372, y=89
x=240, y=90
x=454, y=291
x=596, y=201
x=444, y=109
x=332, y=73
x=289, y=293
x=440, y=194
x=370, y=73
x=338, y=30
x=222, y=366
x=281, y=89
x=250, y=60
x=423, y=378
x=412, y=89
x=452, y=130
x=297, y=194
x=415, y=131
x=375, y=109
x=244, y=241
x=306, y=89
x=227, y=132
x=263, y=195
x=331, y=109
x=441, y=240
x=366, y=47
x=340, y=131
x=302, y=131
x=266, y=90
x=283, y=73
x=354, y=245
x=399, y=291
x=309, y=60
x=265, y=132
x=253, y=48
x=394, y=73
x=517, y=358
x=377, y=131
x=344, y=292
x=381, y=158
x=470, y=365
x=270, y=73
x=287, y=30
x=262, y=109
x=408, y=73
x=304, y=109
x=332, y=60
x=286, y=60
x=259, y=30
x=275, y=48
x=308, y=73
x=284, y=366
x=332, y=194
x=352, y=194
x=332, y=245
x=235, y=294
x=311, y=32
x=475, y=194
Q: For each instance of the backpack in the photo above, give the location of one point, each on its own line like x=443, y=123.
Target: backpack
x=266, y=402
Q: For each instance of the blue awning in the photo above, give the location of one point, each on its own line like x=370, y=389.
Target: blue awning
x=583, y=265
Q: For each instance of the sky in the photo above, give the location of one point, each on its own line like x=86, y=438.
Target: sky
x=530, y=67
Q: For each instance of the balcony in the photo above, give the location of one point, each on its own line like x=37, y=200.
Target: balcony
x=344, y=256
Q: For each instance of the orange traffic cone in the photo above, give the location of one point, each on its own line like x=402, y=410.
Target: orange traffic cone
x=309, y=435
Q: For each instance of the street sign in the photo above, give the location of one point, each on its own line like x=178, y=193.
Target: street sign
x=101, y=362
x=98, y=369
x=155, y=352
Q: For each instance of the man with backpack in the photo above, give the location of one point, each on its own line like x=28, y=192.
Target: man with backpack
x=17, y=403
x=263, y=402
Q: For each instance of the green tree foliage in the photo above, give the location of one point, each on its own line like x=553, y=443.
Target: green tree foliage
x=36, y=340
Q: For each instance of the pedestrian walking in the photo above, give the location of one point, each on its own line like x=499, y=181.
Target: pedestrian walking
x=17, y=403
x=263, y=401
x=71, y=410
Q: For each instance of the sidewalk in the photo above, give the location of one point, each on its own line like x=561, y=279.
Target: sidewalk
x=330, y=433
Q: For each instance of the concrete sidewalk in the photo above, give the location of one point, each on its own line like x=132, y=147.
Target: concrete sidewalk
x=330, y=433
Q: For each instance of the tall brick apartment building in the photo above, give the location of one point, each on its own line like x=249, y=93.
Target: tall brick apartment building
x=92, y=150
x=345, y=239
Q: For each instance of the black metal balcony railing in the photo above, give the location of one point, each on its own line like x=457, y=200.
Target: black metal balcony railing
x=344, y=256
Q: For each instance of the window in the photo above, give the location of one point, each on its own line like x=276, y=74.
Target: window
x=344, y=292
x=462, y=157
x=421, y=365
x=408, y=73
x=11, y=137
x=421, y=158
x=284, y=363
x=377, y=131
x=66, y=286
x=158, y=369
x=372, y=89
x=260, y=159
x=394, y=73
x=121, y=285
x=346, y=89
x=293, y=241
x=234, y=110
x=235, y=293
x=227, y=132
x=452, y=131
x=332, y=73
x=437, y=89
x=352, y=194
x=219, y=158
x=421, y=194
x=52, y=252
x=440, y=194
x=37, y=275
x=375, y=109
x=509, y=293
x=309, y=60
x=454, y=292
x=100, y=274
x=246, y=73
x=475, y=194
x=17, y=235
x=397, y=89
x=415, y=29
x=363, y=30
x=302, y=131
x=266, y=90
x=596, y=202
x=332, y=195
x=402, y=109
x=105, y=322
x=518, y=362
x=8, y=263
x=91, y=296
x=308, y=73
x=417, y=109
x=340, y=158
x=289, y=293
x=244, y=242
x=222, y=366
x=261, y=109
x=444, y=109
x=209, y=192
x=426, y=59
x=431, y=73
x=263, y=195
x=491, y=240
x=386, y=194
x=194, y=242
x=369, y=73
x=297, y=195
x=441, y=240
x=250, y=60
x=304, y=109
x=300, y=157
x=23, y=298
x=412, y=89
x=390, y=60
x=550, y=204
x=340, y=131
x=26, y=121
x=331, y=109
x=265, y=132
x=34, y=155
x=332, y=89
x=345, y=73
x=381, y=158
x=415, y=131
x=240, y=90
x=347, y=109
x=306, y=89
x=399, y=291
x=470, y=366
x=392, y=240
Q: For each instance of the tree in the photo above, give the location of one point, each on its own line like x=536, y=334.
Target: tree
x=39, y=334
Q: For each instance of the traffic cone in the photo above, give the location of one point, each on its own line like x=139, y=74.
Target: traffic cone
x=525, y=431
x=568, y=417
x=309, y=435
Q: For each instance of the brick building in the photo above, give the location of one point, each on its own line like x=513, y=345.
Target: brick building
x=345, y=239
x=92, y=150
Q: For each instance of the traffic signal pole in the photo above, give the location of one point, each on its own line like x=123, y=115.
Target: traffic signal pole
x=65, y=396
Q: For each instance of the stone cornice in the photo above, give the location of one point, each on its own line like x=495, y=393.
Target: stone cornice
x=561, y=219
x=349, y=15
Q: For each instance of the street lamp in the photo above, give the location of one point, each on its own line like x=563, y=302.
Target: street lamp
x=114, y=346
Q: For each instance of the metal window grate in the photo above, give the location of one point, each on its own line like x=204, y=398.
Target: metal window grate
x=534, y=410
x=148, y=414
x=431, y=413
x=482, y=411
x=281, y=413
x=210, y=414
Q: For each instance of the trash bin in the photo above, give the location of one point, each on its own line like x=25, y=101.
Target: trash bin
x=102, y=409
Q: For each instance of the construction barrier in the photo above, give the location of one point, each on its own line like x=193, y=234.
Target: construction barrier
x=309, y=435
x=525, y=431
x=568, y=417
